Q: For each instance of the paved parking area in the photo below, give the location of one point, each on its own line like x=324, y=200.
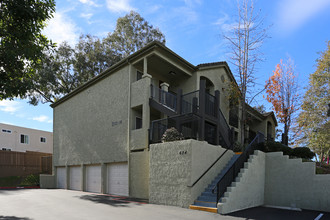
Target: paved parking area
x=35, y=204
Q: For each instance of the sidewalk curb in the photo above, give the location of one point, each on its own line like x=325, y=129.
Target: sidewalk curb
x=20, y=187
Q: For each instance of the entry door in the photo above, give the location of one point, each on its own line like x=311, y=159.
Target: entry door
x=117, y=181
x=61, y=177
x=93, y=179
x=75, y=178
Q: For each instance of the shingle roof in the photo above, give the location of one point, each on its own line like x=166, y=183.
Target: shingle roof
x=212, y=64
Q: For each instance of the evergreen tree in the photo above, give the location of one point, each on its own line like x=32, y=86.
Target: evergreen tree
x=313, y=120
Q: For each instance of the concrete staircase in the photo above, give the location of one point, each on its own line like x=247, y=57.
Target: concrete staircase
x=247, y=189
x=207, y=200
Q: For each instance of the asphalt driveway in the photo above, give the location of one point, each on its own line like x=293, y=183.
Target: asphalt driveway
x=28, y=204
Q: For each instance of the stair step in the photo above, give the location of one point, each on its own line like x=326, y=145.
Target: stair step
x=207, y=198
x=208, y=190
x=205, y=204
x=208, y=193
x=204, y=208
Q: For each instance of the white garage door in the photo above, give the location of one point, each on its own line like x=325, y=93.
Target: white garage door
x=61, y=177
x=117, y=179
x=75, y=178
x=93, y=179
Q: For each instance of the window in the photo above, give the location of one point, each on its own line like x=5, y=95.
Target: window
x=138, y=75
x=6, y=131
x=6, y=149
x=43, y=139
x=24, y=139
x=138, y=123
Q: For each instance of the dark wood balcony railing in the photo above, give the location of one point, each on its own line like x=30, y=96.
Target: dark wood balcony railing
x=185, y=124
x=165, y=98
x=212, y=125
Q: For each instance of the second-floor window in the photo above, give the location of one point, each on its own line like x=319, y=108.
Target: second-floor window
x=138, y=123
x=43, y=139
x=6, y=131
x=24, y=139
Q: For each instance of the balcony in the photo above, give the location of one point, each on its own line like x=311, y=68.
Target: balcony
x=164, y=98
x=196, y=115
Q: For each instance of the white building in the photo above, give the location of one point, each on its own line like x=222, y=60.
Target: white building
x=15, y=138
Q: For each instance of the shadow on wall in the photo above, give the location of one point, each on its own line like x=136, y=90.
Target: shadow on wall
x=116, y=201
x=13, y=218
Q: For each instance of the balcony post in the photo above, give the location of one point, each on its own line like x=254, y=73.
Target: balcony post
x=216, y=110
x=162, y=95
x=164, y=86
x=179, y=101
x=202, y=88
x=145, y=105
x=145, y=65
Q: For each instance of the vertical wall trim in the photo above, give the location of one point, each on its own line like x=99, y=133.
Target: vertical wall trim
x=129, y=120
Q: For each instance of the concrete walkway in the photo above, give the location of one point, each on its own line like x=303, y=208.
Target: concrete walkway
x=28, y=204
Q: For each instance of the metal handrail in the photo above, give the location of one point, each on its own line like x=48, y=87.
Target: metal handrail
x=233, y=171
x=209, y=168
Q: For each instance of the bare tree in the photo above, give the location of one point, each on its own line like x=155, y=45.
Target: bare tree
x=282, y=92
x=245, y=39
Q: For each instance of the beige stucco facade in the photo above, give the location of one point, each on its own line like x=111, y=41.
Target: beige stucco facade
x=107, y=120
x=33, y=140
x=176, y=166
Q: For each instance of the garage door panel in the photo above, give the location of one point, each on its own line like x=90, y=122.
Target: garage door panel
x=93, y=179
x=61, y=177
x=75, y=178
x=117, y=181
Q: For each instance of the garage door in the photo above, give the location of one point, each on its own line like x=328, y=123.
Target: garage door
x=93, y=179
x=117, y=179
x=75, y=178
x=61, y=177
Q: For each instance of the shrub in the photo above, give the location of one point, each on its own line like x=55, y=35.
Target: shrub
x=273, y=146
x=303, y=152
x=300, y=152
x=172, y=134
x=31, y=180
x=237, y=147
x=261, y=146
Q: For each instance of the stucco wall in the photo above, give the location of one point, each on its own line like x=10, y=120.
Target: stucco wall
x=47, y=181
x=140, y=94
x=214, y=75
x=292, y=183
x=91, y=127
x=174, y=166
x=248, y=191
x=139, y=174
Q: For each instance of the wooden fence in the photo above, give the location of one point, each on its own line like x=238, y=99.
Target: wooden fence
x=24, y=163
